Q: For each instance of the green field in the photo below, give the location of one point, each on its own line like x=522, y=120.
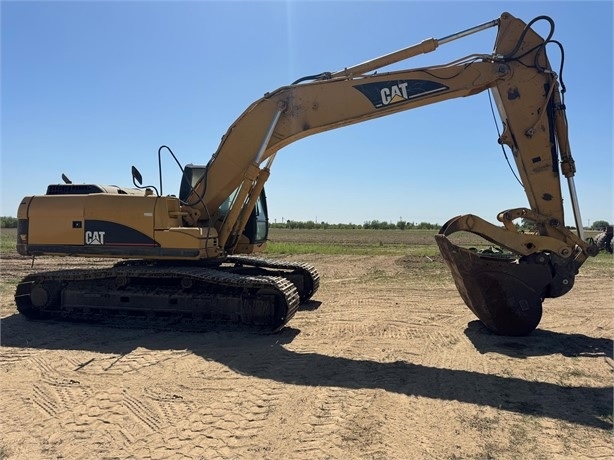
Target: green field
x=334, y=241
x=8, y=239
x=360, y=241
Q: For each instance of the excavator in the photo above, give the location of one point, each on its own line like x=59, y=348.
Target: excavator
x=192, y=259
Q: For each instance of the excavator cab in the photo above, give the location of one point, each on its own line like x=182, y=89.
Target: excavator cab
x=191, y=175
x=257, y=227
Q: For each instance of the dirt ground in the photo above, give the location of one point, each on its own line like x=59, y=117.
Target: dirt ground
x=384, y=363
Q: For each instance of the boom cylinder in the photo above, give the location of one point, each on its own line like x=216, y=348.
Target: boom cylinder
x=426, y=46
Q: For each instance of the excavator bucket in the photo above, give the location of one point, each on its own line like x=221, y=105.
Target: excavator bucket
x=505, y=294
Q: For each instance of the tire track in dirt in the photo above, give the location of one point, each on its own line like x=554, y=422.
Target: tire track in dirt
x=10, y=356
x=55, y=393
x=209, y=414
x=118, y=414
x=349, y=324
x=44, y=401
x=132, y=362
x=96, y=424
x=40, y=406
x=18, y=412
x=172, y=407
x=211, y=423
x=139, y=409
x=332, y=423
x=94, y=414
x=44, y=367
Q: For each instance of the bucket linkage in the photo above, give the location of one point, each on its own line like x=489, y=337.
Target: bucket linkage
x=506, y=290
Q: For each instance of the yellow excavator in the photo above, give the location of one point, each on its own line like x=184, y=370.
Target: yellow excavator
x=189, y=259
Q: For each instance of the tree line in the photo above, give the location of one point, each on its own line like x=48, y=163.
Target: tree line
x=8, y=222
x=524, y=225
x=370, y=224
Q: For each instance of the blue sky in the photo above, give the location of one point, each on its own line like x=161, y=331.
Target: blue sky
x=91, y=88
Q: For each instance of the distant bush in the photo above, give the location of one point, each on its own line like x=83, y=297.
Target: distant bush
x=371, y=224
x=8, y=222
x=600, y=225
x=310, y=224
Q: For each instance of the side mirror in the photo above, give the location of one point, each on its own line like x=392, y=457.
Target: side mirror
x=136, y=176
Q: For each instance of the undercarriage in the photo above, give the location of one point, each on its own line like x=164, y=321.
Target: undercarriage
x=247, y=291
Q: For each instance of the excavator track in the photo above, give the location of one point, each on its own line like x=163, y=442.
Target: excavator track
x=166, y=297
x=304, y=276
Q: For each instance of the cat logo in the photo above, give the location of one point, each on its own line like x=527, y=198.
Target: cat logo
x=94, y=237
x=390, y=92
x=396, y=93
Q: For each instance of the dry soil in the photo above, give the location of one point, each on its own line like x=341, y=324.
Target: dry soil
x=384, y=363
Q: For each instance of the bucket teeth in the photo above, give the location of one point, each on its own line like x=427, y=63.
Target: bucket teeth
x=506, y=294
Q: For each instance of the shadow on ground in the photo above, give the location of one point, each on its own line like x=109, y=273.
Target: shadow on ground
x=539, y=343
x=265, y=356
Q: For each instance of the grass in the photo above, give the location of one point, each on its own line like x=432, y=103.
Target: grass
x=603, y=260
x=8, y=239
x=350, y=249
x=360, y=242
